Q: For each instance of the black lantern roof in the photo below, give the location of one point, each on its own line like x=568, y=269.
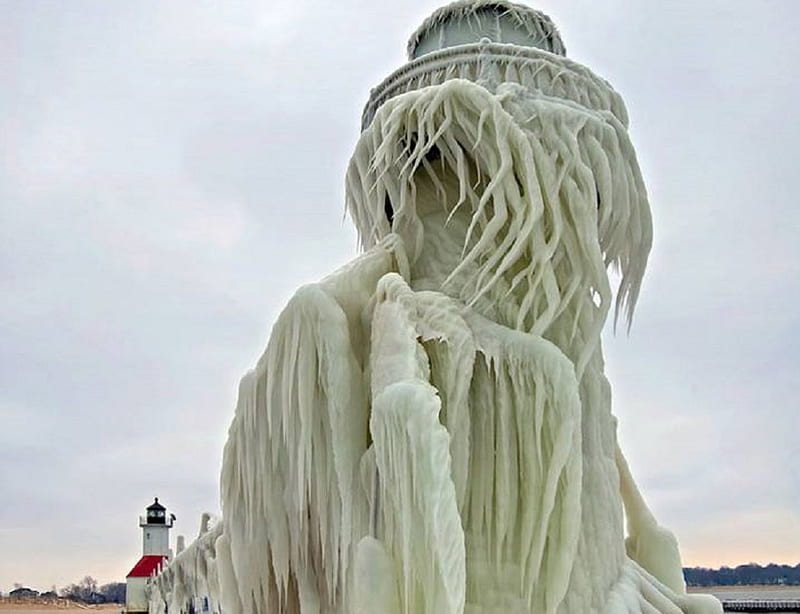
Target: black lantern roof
x=156, y=506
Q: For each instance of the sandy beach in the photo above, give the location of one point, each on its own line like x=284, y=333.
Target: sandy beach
x=62, y=605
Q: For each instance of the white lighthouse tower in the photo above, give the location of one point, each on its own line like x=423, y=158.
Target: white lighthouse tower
x=155, y=525
x=155, y=530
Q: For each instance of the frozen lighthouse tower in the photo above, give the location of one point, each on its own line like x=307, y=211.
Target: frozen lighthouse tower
x=430, y=428
x=155, y=526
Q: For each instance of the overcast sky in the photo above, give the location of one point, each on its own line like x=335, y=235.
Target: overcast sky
x=171, y=171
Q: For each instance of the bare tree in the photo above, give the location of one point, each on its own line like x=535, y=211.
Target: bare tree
x=85, y=591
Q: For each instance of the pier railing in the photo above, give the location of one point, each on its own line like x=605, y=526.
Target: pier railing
x=761, y=605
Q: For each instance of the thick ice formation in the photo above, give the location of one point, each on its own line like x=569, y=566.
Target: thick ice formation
x=429, y=430
x=191, y=580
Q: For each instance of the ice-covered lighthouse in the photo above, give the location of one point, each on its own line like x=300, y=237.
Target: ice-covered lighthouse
x=155, y=525
x=430, y=427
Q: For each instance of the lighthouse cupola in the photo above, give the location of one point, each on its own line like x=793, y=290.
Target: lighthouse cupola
x=156, y=513
x=155, y=525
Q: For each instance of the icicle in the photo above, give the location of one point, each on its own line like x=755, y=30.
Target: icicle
x=535, y=241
